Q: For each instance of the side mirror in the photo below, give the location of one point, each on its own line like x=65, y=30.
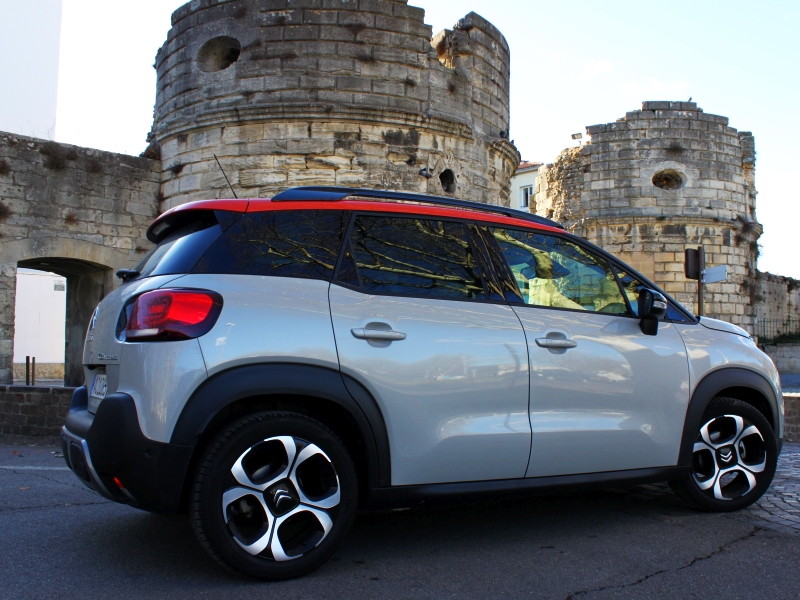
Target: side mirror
x=652, y=308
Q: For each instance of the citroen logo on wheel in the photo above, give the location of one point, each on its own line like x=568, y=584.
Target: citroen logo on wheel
x=282, y=499
x=726, y=455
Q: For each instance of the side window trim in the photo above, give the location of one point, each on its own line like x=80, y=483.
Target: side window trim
x=502, y=272
x=345, y=246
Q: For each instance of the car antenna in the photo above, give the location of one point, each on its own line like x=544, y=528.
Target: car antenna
x=226, y=177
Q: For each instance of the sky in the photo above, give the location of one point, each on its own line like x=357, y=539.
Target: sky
x=29, y=44
x=573, y=63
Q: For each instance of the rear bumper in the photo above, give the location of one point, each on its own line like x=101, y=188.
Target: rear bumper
x=109, y=453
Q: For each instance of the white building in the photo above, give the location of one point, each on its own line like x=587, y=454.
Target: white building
x=40, y=318
x=523, y=185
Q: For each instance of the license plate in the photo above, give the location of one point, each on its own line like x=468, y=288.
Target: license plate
x=99, y=386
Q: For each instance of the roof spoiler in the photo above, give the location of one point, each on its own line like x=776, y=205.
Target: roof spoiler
x=335, y=194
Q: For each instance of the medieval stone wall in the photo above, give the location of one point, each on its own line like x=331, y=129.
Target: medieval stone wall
x=77, y=212
x=660, y=180
x=777, y=297
x=331, y=92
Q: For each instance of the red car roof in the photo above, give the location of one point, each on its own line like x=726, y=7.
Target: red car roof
x=266, y=205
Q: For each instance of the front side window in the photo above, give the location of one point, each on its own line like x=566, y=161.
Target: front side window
x=553, y=272
x=632, y=287
x=303, y=244
x=411, y=257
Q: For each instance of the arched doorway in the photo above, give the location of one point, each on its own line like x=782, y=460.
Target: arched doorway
x=86, y=285
x=89, y=270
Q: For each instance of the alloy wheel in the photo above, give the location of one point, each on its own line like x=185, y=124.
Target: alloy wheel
x=729, y=457
x=281, y=498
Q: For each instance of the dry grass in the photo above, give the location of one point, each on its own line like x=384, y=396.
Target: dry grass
x=5, y=212
x=70, y=218
x=5, y=168
x=355, y=28
x=141, y=250
x=176, y=168
x=94, y=166
x=56, y=156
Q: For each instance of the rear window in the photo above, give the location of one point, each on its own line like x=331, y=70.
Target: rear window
x=179, y=251
x=302, y=244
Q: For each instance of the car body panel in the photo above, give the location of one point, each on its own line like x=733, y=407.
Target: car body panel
x=710, y=350
x=614, y=402
x=718, y=325
x=454, y=393
x=161, y=377
x=267, y=319
x=101, y=346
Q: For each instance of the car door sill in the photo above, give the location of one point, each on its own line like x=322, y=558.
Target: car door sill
x=472, y=491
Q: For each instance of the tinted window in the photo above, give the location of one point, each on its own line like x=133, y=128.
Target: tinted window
x=506, y=285
x=303, y=244
x=554, y=272
x=412, y=257
x=179, y=252
x=632, y=286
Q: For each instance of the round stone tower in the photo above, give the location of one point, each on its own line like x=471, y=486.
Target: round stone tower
x=663, y=179
x=331, y=92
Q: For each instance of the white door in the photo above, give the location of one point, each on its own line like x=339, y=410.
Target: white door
x=448, y=369
x=604, y=396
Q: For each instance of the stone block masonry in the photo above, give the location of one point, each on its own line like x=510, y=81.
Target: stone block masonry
x=30, y=415
x=792, y=415
x=355, y=94
x=658, y=181
x=77, y=212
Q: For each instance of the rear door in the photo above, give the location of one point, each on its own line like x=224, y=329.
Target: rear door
x=604, y=396
x=447, y=364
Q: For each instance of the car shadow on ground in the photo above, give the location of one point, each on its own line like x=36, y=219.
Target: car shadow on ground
x=165, y=547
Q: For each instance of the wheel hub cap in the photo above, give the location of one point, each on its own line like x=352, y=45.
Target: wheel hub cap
x=728, y=458
x=282, y=498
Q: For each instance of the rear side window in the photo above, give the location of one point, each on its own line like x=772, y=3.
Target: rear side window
x=179, y=251
x=411, y=257
x=302, y=244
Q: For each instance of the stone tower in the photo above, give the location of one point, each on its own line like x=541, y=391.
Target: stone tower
x=331, y=92
x=660, y=180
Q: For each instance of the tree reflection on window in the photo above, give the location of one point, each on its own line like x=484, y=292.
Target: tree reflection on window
x=414, y=257
x=303, y=244
x=553, y=272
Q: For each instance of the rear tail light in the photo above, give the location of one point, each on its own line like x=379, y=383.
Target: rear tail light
x=164, y=315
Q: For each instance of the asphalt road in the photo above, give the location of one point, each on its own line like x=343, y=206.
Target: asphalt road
x=60, y=540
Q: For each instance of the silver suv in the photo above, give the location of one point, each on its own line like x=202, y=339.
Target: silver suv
x=272, y=366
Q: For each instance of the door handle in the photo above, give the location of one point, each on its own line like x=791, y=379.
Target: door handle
x=378, y=334
x=555, y=343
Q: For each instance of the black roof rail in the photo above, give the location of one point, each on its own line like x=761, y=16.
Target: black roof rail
x=334, y=194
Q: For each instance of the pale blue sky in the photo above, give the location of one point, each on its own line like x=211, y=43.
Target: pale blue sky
x=574, y=63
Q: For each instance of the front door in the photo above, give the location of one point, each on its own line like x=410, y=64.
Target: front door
x=604, y=396
x=448, y=368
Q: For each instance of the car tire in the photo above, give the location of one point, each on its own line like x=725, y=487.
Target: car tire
x=274, y=495
x=734, y=457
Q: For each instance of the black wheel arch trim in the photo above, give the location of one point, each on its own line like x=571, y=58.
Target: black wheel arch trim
x=290, y=379
x=709, y=387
